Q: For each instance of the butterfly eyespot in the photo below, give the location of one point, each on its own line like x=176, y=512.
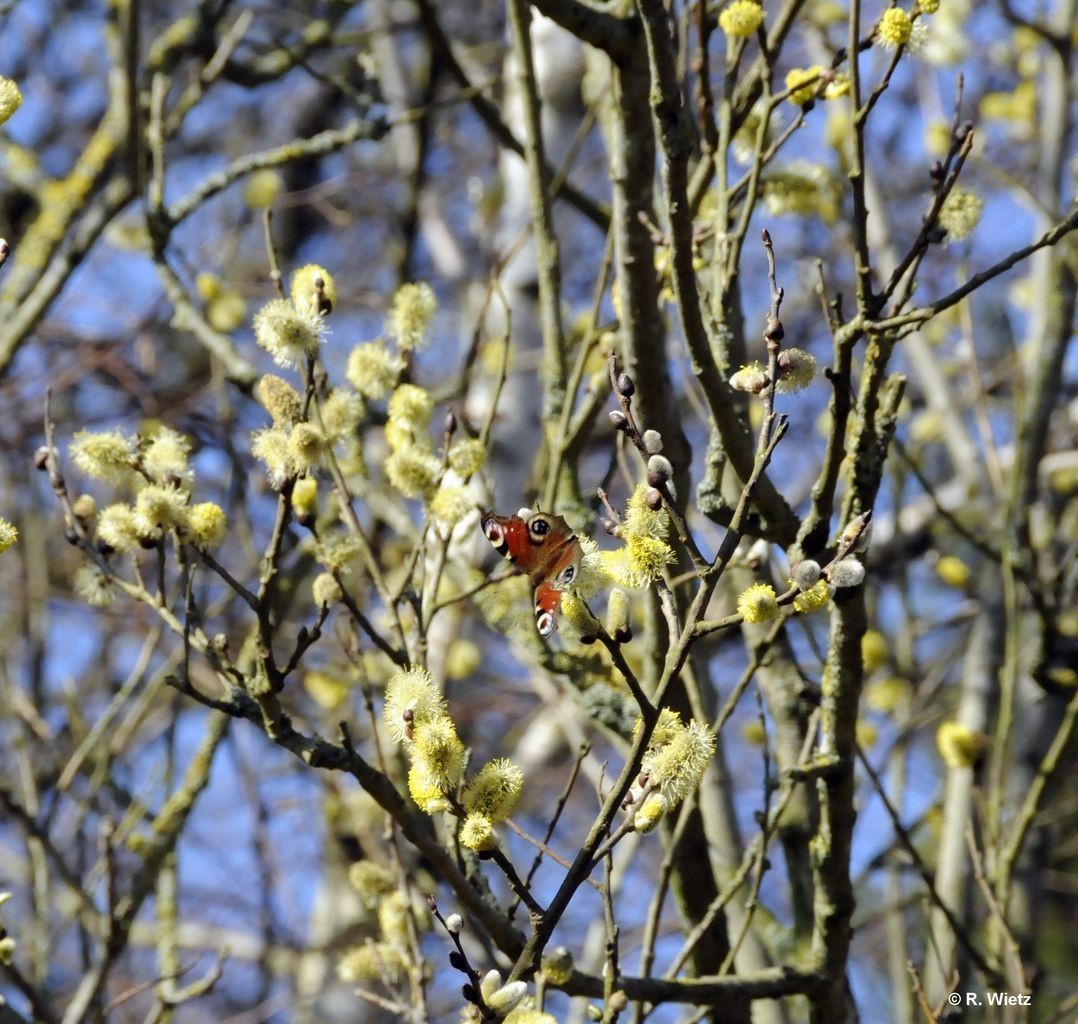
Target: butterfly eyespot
x=538, y=528
x=545, y=624
x=493, y=531
x=568, y=576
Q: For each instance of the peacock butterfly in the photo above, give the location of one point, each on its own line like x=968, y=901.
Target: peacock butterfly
x=544, y=547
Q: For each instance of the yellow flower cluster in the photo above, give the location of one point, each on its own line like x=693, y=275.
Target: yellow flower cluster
x=280, y=400
x=10, y=98
x=226, y=309
x=165, y=456
x=410, y=315
x=373, y=962
x=313, y=289
x=157, y=468
x=960, y=213
x=107, y=456
x=802, y=187
x=412, y=466
x=960, y=746
x=741, y=19
x=417, y=717
x=814, y=598
x=9, y=533
x=804, y=83
x=894, y=28
x=797, y=368
x=640, y=561
x=758, y=603
x=373, y=370
x=288, y=334
x=676, y=759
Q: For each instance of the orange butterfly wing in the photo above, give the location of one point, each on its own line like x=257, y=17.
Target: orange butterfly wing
x=546, y=549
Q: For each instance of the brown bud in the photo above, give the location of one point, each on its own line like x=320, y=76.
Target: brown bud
x=656, y=479
x=105, y=549
x=608, y=525
x=935, y=172
x=619, y=420
x=623, y=634
x=56, y=478
x=626, y=385
x=450, y=423
x=654, y=499
x=147, y=543
x=41, y=458
x=70, y=535
x=588, y=638
x=774, y=330
x=325, y=303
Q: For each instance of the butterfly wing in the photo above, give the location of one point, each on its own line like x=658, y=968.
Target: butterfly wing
x=547, y=603
x=555, y=579
x=509, y=537
x=546, y=549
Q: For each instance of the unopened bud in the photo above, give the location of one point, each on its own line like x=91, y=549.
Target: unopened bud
x=454, y=923
x=750, y=379
x=806, y=574
x=557, y=966
x=450, y=423
x=41, y=458
x=653, y=442
x=654, y=499
x=5, y=251
x=507, y=997
x=70, y=535
x=626, y=385
x=617, y=616
x=774, y=330
x=84, y=507
x=858, y=533
x=660, y=468
x=847, y=573
x=490, y=983
x=619, y=420
x=935, y=172
x=609, y=526
x=579, y=616
x=56, y=479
